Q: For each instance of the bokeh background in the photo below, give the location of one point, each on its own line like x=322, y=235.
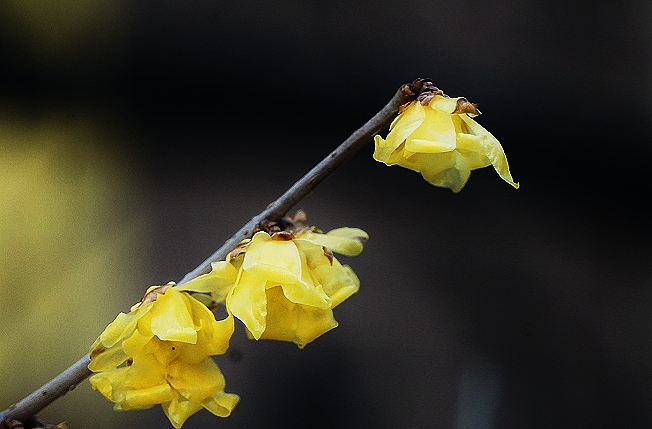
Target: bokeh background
x=135, y=137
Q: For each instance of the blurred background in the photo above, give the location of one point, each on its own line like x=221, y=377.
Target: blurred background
x=135, y=137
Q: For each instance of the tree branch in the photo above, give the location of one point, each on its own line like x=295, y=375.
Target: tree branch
x=76, y=373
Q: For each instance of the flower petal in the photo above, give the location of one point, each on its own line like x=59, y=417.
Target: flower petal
x=171, y=320
x=221, y=404
x=247, y=302
x=347, y=241
x=274, y=260
x=405, y=123
x=435, y=135
x=212, y=335
x=339, y=281
x=493, y=150
x=300, y=324
x=195, y=382
x=218, y=282
x=179, y=410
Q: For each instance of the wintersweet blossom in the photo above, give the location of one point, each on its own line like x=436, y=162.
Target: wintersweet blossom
x=437, y=137
x=159, y=353
x=289, y=282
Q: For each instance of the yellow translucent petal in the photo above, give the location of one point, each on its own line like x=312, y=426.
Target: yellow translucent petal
x=430, y=164
x=106, y=352
x=107, y=359
x=142, y=398
x=145, y=371
x=300, y=324
x=212, y=335
x=336, y=281
x=428, y=146
x=307, y=294
x=453, y=178
x=171, y=319
x=437, y=134
x=247, y=302
x=108, y=384
x=408, y=120
x=382, y=150
x=218, y=282
x=120, y=328
x=137, y=386
x=492, y=148
x=339, y=282
x=221, y=404
x=443, y=104
x=305, y=291
x=389, y=156
x=346, y=241
x=470, y=142
x=136, y=343
x=178, y=411
x=195, y=382
x=163, y=351
x=274, y=260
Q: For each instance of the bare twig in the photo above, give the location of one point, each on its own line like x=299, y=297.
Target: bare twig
x=79, y=371
x=49, y=392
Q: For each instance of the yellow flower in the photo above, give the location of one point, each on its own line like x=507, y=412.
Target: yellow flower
x=159, y=353
x=437, y=137
x=288, y=285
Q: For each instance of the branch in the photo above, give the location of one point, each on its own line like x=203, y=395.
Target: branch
x=319, y=172
x=49, y=392
x=76, y=373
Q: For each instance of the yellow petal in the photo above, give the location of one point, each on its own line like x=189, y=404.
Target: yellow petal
x=389, y=156
x=136, y=343
x=107, y=383
x=443, y=104
x=347, y=241
x=437, y=134
x=106, y=359
x=218, y=282
x=106, y=352
x=454, y=177
x=305, y=292
x=429, y=164
x=274, y=260
x=171, y=319
x=179, y=410
x=142, y=398
x=120, y=328
x=212, y=335
x=339, y=281
x=133, y=387
x=247, y=302
x=195, y=382
x=221, y=404
x=287, y=321
x=411, y=118
x=492, y=148
x=403, y=125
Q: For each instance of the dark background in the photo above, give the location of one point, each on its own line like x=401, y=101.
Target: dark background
x=493, y=308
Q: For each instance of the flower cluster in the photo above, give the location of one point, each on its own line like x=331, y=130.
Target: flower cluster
x=437, y=137
x=287, y=285
x=159, y=353
x=282, y=284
